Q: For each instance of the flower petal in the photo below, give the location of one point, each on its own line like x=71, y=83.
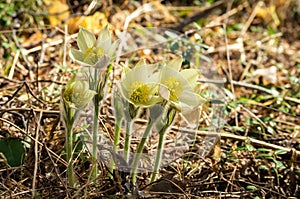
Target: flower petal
x=85, y=39
x=104, y=34
x=103, y=62
x=140, y=63
x=164, y=92
x=113, y=48
x=190, y=99
x=76, y=55
x=191, y=76
x=175, y=63
x=105, y=45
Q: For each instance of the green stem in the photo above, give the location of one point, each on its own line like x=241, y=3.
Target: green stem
x=127, y=140
x=95, y=138
x=158, y=155
x=116, y=141
x=69, y=121
x=171, y=113
x=70, y=155
x=140, y=149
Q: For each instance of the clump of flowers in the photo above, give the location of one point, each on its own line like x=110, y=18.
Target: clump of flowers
x=95, y=55
x=178, y=89
x=74, y=98
x=164, y=90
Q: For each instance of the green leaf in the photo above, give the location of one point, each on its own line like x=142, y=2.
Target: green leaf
x=264, y=150
x=279, y=164
x=250, y=147
x=267, y=156
x=280, y=152
x=13, y=150
x=251, y=187
x=263, y=167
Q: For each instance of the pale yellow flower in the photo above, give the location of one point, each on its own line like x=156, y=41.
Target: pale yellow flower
x=140, y=85
x=92, y=52
x=178, y=87
x=77, y=94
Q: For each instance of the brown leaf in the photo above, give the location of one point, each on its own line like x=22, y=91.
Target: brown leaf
x=94, y=23
x=58, y=11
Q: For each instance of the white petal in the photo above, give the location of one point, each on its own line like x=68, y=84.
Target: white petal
x=104, y=34
x=85, y=39
x=191, y=76
x=164, y=92
x=76, y=55
x=140, y=63
x=191, y=99
x=105, y=45
x=113, y=48
x=175, y=63
x=103, y=62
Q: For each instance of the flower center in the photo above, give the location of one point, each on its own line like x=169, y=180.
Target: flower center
x=174, y=86
x=92, y=55
x=139, y=93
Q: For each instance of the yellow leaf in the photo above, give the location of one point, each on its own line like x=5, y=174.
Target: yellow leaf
x=94, y=23
x=58, y=11
x=33, y=39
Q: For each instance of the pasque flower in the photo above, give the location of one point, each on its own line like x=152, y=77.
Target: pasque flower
x=140, y=85
x=178, y=87
x=77, y=94
x=75, y=97
x=94, y=52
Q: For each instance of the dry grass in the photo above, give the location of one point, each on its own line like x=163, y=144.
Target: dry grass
x=32, y=79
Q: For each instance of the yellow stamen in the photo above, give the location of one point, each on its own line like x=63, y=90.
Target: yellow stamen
x=92, y=55
x=139, y=93
x=174, y=86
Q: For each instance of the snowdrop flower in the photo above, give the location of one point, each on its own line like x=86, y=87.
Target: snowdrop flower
x=92, y=52
x=77, y=94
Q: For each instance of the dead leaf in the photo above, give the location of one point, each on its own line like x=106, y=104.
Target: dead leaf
x=94, y=23
x=34, y=39
x=58, y=11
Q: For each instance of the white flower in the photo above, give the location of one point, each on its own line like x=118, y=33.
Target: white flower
x=92, y=52
x=179, y=87
x=77, y=94
x=140, y=85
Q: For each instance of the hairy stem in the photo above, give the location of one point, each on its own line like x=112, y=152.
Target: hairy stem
x=158, y=155
x=127, y=140
x=116, y=140
x=95, y=138
x=140, y=149
x=69, y=150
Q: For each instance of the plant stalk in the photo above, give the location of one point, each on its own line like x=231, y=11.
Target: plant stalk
x=95, y=137
x=140, y=149
x=171, y=113
x=69, y=122
x=116, y=141
x=70, y=155
x=127, y=140
x=158, y=155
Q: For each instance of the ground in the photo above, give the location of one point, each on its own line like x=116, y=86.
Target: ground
x=253, y=153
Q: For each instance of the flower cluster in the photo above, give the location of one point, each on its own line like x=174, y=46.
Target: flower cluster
x=146, y=85
x=157, y=88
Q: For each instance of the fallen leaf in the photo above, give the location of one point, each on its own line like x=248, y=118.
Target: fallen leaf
x=58, y=11
x=93, y=23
